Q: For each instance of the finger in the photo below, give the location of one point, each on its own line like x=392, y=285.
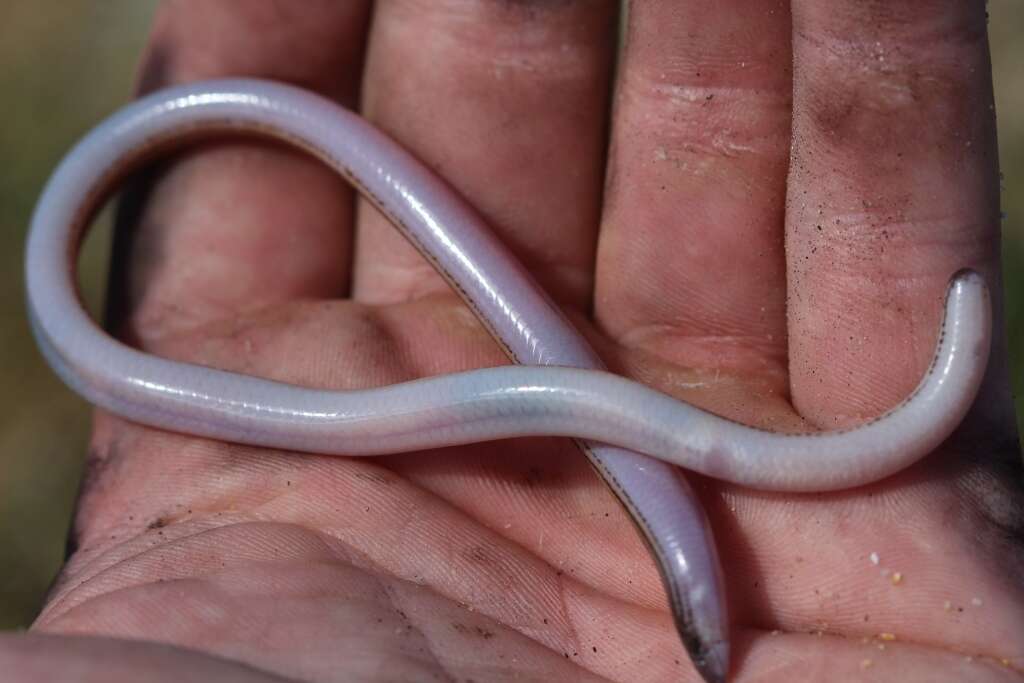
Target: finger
x=242, y=225
x=690, y=262
x=507, y=101
x=893, y=187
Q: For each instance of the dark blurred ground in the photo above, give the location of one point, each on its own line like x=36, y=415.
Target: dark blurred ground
x=63, y=66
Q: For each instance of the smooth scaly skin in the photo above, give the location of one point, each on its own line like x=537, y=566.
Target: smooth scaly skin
x=475, y=406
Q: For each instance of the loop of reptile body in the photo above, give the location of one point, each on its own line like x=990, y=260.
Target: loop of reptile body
x=632, y=434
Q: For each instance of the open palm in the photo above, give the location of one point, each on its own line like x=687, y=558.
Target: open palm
x=768, y=235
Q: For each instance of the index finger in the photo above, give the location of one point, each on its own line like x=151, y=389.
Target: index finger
x=239, y=225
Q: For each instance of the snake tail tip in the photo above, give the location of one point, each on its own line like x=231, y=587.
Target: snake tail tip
x=712, y=662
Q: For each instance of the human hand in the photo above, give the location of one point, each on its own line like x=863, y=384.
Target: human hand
x=511, y=558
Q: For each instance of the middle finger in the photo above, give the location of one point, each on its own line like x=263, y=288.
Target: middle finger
x=507, y=101
x=690, y=262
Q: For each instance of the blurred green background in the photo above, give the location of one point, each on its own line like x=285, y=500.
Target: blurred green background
x=63, y=67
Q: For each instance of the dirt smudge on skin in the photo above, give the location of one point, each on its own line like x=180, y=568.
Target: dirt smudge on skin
x=468, y=630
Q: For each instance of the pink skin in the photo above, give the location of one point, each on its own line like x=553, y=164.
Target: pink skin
x=477, y=406
x=259, y=555
x=480, y=406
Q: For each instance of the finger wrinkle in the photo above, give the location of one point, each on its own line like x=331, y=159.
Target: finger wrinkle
x=685, y=305
x=185, y=550
x=243, y=483
x=858, y=657
x=157, y=321
x=760, y=347
x=471, y=564
x=704, y=132
x=257, y=613
x=274, y=343
x=511, y=43
x=136, y=502
x=731, y=73
x=703, y=98
x=33, y=658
